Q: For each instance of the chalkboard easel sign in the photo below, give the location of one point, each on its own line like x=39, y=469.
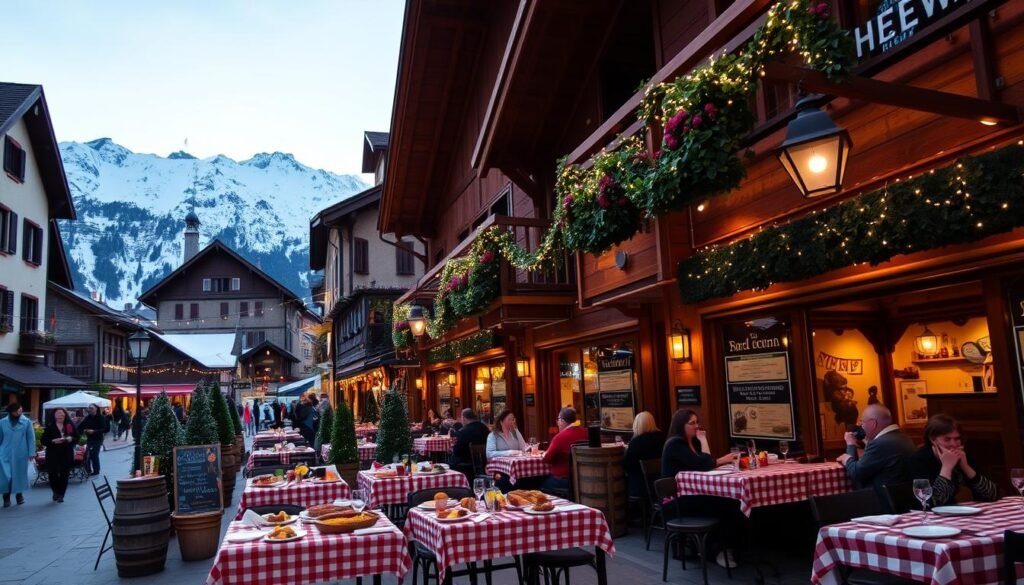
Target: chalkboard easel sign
x=197, y=486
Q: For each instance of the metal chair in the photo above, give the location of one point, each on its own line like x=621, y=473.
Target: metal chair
x=1013, y=553
x=553, y=564
x=479, y=455
x=693, y=528
x=652, y=471
x=103, y=492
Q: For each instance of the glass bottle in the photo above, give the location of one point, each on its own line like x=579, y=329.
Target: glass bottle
x=944, y=351
x=954, y=350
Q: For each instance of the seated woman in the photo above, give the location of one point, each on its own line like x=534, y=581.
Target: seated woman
x=647, y=443
x=505, y=440
x=946, y=464
x=687, y=450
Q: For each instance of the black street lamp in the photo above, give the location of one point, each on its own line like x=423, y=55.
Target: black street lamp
x=138, y=349
x=815, y=150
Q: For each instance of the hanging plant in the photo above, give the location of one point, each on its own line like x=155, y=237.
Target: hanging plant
x=401, y=333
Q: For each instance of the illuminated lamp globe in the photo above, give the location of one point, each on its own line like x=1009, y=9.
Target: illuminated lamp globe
x=815, y=151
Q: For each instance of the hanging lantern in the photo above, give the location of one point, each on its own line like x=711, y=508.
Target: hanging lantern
x=679, y=342
x=926, y=344
x=815, y=150
x=523, y=367
x=451, y=378
x=417, y=321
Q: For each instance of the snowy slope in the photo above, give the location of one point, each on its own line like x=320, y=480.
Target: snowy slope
x=131, y=210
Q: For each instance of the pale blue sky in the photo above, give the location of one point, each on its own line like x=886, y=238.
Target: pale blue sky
x=235, y=77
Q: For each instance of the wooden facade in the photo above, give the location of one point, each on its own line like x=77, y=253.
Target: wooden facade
x=535, y=91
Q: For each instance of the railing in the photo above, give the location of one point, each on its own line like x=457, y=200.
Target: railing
x=373, y=339
x=82, y=372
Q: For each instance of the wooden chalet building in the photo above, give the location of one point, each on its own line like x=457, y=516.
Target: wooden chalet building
x=491, y=95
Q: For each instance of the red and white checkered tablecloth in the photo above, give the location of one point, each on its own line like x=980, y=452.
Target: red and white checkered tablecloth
x=973, y=557
x=269, y=439
x=366, y=431
x=427, y=445
x=396, y=490
x=507, y=533
x=517, y=467
x=268, y=457
x=366, y=451
x=305, y=494
x=316, y=558
x=767, y=486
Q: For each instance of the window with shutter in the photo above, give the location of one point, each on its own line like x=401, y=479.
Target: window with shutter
x=14, y=159
x=193, y=311
x=32, y=243
x=243, y=309
x=179, y=311
x=206, y=285
x=236, y=284
x=361, y=261
x=29, y=313
x=404, y=258
x=12, y=235
x=6, y=310
x=5, y=228
x=259, y=308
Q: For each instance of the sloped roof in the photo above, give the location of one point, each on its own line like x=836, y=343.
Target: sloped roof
x=20, y=101
x=212, y=350
x=147, y=296
x=36, y=375
x=331, y=216
x=94, y=308
x=268, y=345
x=374, y=143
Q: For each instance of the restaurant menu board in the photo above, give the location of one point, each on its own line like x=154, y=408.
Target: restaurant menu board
x=759, y=388
x=444, y=394
x=498, y=399
x=197, y=487
x=615, y=398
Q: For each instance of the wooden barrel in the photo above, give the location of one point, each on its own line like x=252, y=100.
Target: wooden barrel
x=239, y=452
x=198, y=535
x=228, y=470
x=141, y=526
x=600, y=482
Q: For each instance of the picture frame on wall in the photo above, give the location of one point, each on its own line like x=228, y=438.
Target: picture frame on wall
x=912, y=397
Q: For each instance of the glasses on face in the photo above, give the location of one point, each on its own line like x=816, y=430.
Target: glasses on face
x=693, y=423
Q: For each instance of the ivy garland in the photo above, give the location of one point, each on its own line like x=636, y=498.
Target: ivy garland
x=401, y=334
x=469, y=345
x=972, y=199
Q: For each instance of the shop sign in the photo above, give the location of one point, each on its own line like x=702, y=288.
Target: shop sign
x=895, y=21
x=759, y=387
x=687, y=395
x=851, y=366
x=240, y=385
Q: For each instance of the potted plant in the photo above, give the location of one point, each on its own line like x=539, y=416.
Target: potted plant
x=325, y=431
x=226, y=437
x=199, y=534
x=344, y=453
x=393, y=437
x=236, y=423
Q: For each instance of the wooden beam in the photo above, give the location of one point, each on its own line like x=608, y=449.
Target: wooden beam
x=898, y=95
x=982, y=54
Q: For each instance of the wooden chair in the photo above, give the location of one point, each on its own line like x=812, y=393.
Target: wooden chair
x=103, y=492
x=1013, y=554
x=479, y=455
x=553, y=564
x=694, y=528
x=842, y=507
x=899, y=498
x=652, y=471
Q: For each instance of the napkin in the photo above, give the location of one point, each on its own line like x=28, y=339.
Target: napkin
x=480, y=517
x=571, y=507
x=376, y=465
x=880, y=519
x=253, y=519
x=372, y=530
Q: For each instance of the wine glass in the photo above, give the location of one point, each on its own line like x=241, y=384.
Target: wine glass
x=1017, y=479
x=359, y=500
x=618, y=440
x=784, y=449
x=923, y=493
x=479, y=486
x=533, y=445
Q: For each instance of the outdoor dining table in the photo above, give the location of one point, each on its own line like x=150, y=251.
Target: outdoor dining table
x=974, y=556
x=395, y=490
x=766, y=486
x=284, y=457
x=511, y=533
x=270, y=439
x=428, y=445
x=366, y=451
x=518, y=467
x=304, y=493
x=316, y=558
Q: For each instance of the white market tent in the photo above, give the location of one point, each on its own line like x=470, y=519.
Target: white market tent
x=78, y=399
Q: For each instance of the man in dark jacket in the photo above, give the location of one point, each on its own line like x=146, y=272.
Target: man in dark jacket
x=256, y=410
x=886, y=458
x=473, y=432
x=94, y=426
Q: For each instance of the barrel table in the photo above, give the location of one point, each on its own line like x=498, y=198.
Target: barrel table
x=600, y=482
x=141, y=527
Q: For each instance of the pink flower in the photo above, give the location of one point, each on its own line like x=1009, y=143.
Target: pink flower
x=567, y=202
x=711, y=111
x=674, y=122
x=671, y=142
x=622, y=201
x=686, y=130
x=605, y=183
x=602, y=202
x=487, y=257
x=657, y=154
x=697, y=121
x=821, y=10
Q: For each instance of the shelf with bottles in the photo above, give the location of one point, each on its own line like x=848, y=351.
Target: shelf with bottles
x=944, y=361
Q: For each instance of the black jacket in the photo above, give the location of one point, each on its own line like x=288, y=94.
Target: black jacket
x=475, y=433
x=885, y=460
x=678, y=456
x=94, y=422
x=641, y=447
x=924, y=464
x=59, y=453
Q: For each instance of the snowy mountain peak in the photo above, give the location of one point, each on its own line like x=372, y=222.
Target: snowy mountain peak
x=131, y=210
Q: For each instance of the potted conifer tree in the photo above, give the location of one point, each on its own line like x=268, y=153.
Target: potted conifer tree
x=393, y=436
x=236, y=422
x=226, y=436
x=325, y=430
x=199, y=534
x=344, y=453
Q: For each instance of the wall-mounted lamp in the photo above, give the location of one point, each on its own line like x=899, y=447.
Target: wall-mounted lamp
x=926, y=344
x=679, y=341
x=419, y=383
x=815, y=150
x=417, y=321
x=451, y=378
x=523, y=367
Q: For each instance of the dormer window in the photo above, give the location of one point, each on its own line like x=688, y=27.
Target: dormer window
x=14, y=159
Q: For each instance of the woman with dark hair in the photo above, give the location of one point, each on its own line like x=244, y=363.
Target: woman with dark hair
x=687, y=447
x=93, y=426
x=944, y=462
x=505, y=439
x=59, y=438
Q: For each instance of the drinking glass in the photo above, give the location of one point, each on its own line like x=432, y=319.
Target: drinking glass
x=479, y=485
x=736, y=453
x=784, y=449
x=618, y=440
x=1017, y=479
x=923, y=493
x=533, y=445
x=752, y=453
x=359, y=500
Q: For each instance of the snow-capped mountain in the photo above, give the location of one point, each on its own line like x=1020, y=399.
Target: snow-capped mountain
x=131, y=210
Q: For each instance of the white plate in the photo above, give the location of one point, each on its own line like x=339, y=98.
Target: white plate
x=931, y=531
x=299, y=535
x=244, y=536
x=530, y=510
x=269, y=485
x=290, y=520
x=315, y=480
x=459, y=519
x=429, y=504
x=720, y=472
x=957, y=510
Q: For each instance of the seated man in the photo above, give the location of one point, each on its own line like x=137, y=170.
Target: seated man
x=886, y=458
x=473, y=432
x=570, y=431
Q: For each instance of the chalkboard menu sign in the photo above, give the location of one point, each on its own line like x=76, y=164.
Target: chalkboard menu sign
x=687, y=395
x=757, y=379
x=197, y=487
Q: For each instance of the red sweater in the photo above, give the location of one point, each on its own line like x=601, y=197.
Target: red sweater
x=557, y=455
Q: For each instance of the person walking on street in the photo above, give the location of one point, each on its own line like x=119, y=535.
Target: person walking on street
x=94, y=427
x=247, y=419
x=123, y=424
x=17, y=449
x=255, y=416
x=115, y=420
x=59, y=438
x=138, y=423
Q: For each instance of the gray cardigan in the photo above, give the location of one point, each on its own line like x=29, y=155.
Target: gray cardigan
x=499, y=445
x=885, y=460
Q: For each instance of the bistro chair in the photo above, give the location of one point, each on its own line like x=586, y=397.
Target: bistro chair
x=652, y=471
x=103, y=492
x=569, y=492
x=426, y=558
x=842, y=507
x=479, y=455
x=1013, y=554
x=899, y=497
x=694, y=528
x=553, y=564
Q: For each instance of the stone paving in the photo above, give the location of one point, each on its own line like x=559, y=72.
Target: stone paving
x=44, y=543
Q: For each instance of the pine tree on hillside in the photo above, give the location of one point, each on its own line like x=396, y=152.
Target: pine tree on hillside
x=219, y=408
x=343, y=437
x=200, y=429
x=393, y=437
x=369, y=411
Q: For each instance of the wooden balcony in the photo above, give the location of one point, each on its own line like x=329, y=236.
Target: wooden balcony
x=35, y=342
x=80, y=372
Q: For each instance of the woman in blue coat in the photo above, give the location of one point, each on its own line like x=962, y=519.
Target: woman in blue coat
x=17, y=448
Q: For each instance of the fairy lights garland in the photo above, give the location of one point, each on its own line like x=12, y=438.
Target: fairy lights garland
x=971, y=199
x=472, y=344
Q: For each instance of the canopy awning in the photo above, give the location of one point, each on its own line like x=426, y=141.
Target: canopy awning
x=298, y=388
x=151, y=390
x=36, y=375
x=76, y=400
